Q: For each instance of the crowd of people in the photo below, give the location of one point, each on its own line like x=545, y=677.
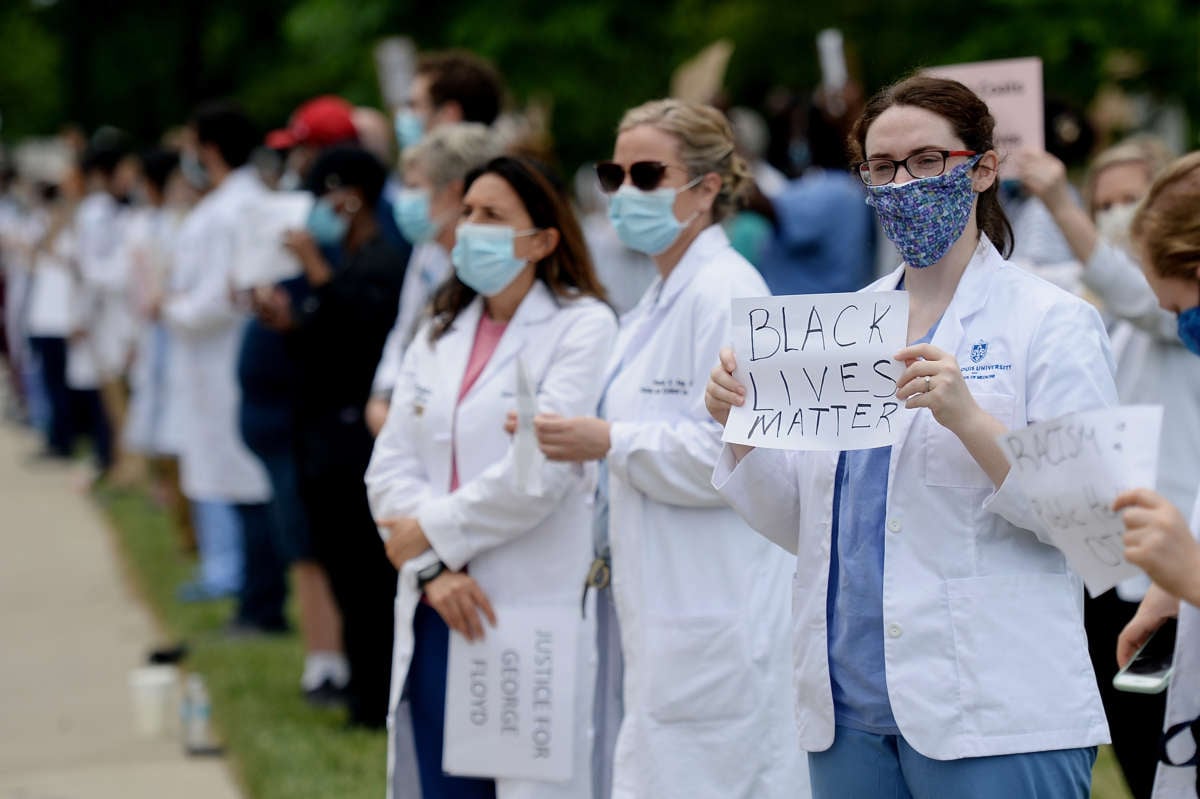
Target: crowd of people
x=755, y=623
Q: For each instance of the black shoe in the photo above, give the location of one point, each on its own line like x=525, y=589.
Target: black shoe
x=326, y=695
x=239, y=629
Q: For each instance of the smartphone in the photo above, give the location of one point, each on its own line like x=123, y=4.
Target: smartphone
x=1149, y=672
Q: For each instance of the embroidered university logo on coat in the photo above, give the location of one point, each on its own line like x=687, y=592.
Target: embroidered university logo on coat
x=978, y=351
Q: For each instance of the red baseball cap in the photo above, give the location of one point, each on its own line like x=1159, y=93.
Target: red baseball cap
x=322, y=122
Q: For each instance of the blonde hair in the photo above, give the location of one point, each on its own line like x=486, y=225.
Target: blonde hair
x=1149, y=151
x=705, y=145
x=1167, y=224
x=449, y=152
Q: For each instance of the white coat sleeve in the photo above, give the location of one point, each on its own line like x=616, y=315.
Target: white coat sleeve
x=101, y=254
x=489, y=510
x=206, y=305
x=672, y=461
x=764, y=489
x=1118, y=280
x=388, y=369
x=397, y=482
x=1070, y=368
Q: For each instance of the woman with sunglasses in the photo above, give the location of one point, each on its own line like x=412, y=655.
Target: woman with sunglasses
x=1158, y=539
x=707, y=709
x=446, y=485
x=938, y=632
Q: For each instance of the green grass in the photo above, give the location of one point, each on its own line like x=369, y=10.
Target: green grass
x=279, y=747
x=1107, y=782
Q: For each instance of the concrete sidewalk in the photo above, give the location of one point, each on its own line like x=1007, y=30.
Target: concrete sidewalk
x=70, y=631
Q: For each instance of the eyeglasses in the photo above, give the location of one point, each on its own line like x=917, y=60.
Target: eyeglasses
x=646, y=175
x=925, y=164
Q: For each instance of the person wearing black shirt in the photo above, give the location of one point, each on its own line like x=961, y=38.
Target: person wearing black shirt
x=335, y=334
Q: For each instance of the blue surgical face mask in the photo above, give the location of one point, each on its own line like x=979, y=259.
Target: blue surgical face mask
x=924, y=218
x=645, y=220
x=484, y=257
x=411, y=211
x=194, y=172
x=409, y=128
x=326, y=225
x=1189, y=329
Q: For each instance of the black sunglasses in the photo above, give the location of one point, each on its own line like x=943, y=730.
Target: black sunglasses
x=646, y=175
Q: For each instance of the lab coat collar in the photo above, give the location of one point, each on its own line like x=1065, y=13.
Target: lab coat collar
x=239, y=181
x=711, y=241
x=538, y=307
x=969, y=297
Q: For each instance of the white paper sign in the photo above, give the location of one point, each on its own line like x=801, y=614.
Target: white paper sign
x=1073, y=468
x=1012, y=89
x=527, y=456
x=259, y=257
x=818, y=370
x=510, y=699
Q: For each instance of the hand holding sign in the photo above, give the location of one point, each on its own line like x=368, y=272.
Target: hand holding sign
x=817, y=371
x=934, y=380
x=1157, y=540
x=1072, y=470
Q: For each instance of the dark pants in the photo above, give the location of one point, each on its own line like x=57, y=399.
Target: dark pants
x=264, y=587
x=1135, y=720
x=333, y=461
x=71, y=410
x=52, y=355
x=426, y=692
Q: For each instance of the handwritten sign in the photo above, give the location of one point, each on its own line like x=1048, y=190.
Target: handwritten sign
x=259, y=256
x=1073, y=468
x=1012, y=88
x=818, y=370
x=510, y=699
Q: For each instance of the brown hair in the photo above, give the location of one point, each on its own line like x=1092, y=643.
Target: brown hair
x=972, y=122
x=468, y=80
x=1167, y=224
x=705, y=145
x=567, y=270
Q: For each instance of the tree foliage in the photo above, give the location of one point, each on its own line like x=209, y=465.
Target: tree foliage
x=143, y=64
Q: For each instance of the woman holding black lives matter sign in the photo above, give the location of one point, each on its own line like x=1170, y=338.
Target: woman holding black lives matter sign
x=523, y=313
x=707, y=708
x=938, y=634
x=1166, y=234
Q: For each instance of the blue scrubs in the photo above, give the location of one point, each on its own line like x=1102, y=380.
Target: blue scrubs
x=426, y=693
x=869, y=758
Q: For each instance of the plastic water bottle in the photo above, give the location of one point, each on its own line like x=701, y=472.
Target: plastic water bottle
x=197, y=714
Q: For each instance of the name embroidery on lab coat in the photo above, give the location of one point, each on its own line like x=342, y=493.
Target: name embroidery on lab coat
x=977, y=370
x=667, y=386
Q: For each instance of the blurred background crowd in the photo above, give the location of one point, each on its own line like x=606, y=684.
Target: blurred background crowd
x=137, y=213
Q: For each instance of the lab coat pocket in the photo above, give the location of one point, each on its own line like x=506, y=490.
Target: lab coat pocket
x=947, y=462
x=699, y=670
x=1023, y=662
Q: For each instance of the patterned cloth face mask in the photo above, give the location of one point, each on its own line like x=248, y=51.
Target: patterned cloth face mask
x=924, y=218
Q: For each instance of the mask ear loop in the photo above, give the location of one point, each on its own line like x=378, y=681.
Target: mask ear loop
x=691, y=184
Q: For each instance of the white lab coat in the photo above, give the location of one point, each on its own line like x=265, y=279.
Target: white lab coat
x=984, y=646
x=701, y=600
x=107, y=316
x=149, y=241
x=1183, y=699
x=523, y=548
x=428, y=266
x=206, y=335
x=52, y=289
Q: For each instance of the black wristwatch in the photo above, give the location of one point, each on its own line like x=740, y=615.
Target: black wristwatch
x=429, y=574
